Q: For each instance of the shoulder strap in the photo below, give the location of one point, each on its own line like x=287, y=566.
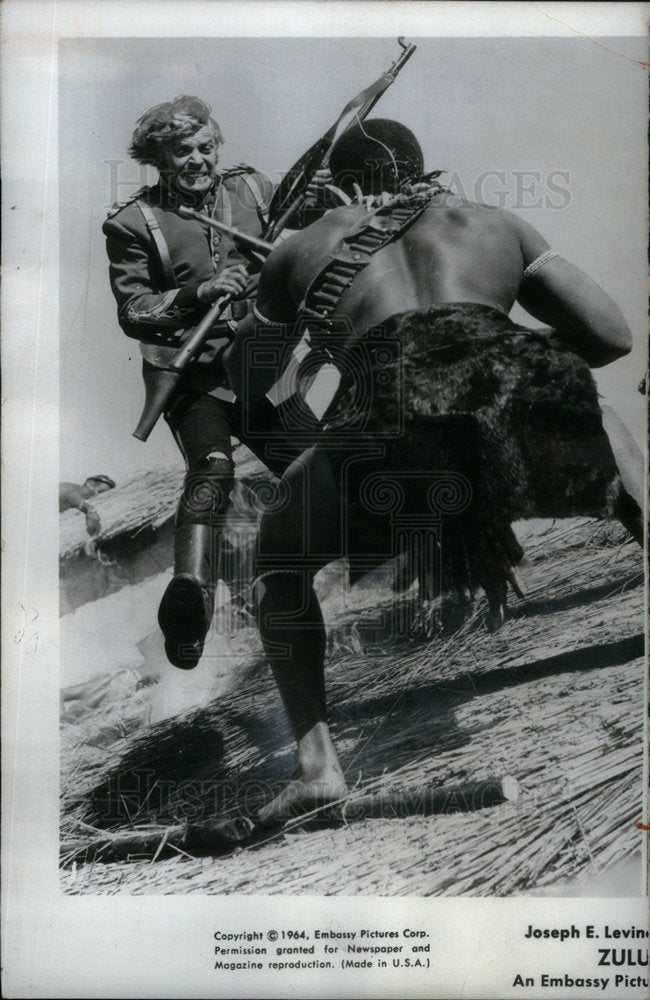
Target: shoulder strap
x=160, y=243
x=117, y=206
x=256, y=191
x=354, y=252
x=226, y=205
x=245, y=173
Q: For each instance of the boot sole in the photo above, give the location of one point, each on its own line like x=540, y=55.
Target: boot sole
x=182, y=617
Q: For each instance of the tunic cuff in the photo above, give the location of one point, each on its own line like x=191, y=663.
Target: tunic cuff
x=187, y=297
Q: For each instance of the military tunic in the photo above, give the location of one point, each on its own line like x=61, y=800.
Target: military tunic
x=160, y=308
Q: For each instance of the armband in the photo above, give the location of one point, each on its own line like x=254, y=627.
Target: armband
x=265, y=319
x=540, y=261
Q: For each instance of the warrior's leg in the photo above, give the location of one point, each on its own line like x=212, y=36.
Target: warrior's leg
x=278, y=435
x=631, y=469
x=202, y=431
x=294, y=542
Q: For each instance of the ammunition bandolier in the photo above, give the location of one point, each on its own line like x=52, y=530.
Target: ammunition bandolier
x=354, y=252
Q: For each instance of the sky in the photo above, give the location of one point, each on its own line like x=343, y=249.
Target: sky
x=552, y=128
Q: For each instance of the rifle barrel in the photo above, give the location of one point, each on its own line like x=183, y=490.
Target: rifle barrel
x=399, y=63
x=195, y=342
x=262, y=246
x=318, y=156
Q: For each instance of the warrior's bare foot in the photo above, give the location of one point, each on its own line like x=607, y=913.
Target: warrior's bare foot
x=301, y=797
x=318, y=781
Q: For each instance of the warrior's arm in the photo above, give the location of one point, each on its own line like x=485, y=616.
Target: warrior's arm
x=560, y=294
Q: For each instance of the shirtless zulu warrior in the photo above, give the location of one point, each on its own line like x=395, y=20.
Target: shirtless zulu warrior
x=438, y=276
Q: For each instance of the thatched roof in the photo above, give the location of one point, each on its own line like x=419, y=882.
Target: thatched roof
x=135, y=539
x=147, y=501
x=555, y=698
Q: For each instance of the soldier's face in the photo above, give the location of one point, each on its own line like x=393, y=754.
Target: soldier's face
x=192, y=161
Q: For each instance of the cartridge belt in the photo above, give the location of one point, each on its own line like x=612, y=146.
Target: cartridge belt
x=354, y=252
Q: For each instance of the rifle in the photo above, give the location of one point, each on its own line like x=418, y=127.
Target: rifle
x=161, y=383
x=288, y=198
x=290, y=195
x=256, y=249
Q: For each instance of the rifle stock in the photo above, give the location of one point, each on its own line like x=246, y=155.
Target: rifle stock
x=161, y=383
x=158, y=386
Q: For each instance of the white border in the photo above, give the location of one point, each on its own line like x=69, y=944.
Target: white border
x=135, y=947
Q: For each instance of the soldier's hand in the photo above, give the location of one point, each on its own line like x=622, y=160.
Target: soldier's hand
x=316, y=188
x=251, y=286
x=231, y=281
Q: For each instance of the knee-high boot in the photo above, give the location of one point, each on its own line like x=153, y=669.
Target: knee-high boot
x=187, y=605
x=186, y=609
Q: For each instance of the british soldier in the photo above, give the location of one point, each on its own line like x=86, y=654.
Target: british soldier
x=165, y=270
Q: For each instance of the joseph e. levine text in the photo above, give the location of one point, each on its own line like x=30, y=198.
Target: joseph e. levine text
x=590, y=931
